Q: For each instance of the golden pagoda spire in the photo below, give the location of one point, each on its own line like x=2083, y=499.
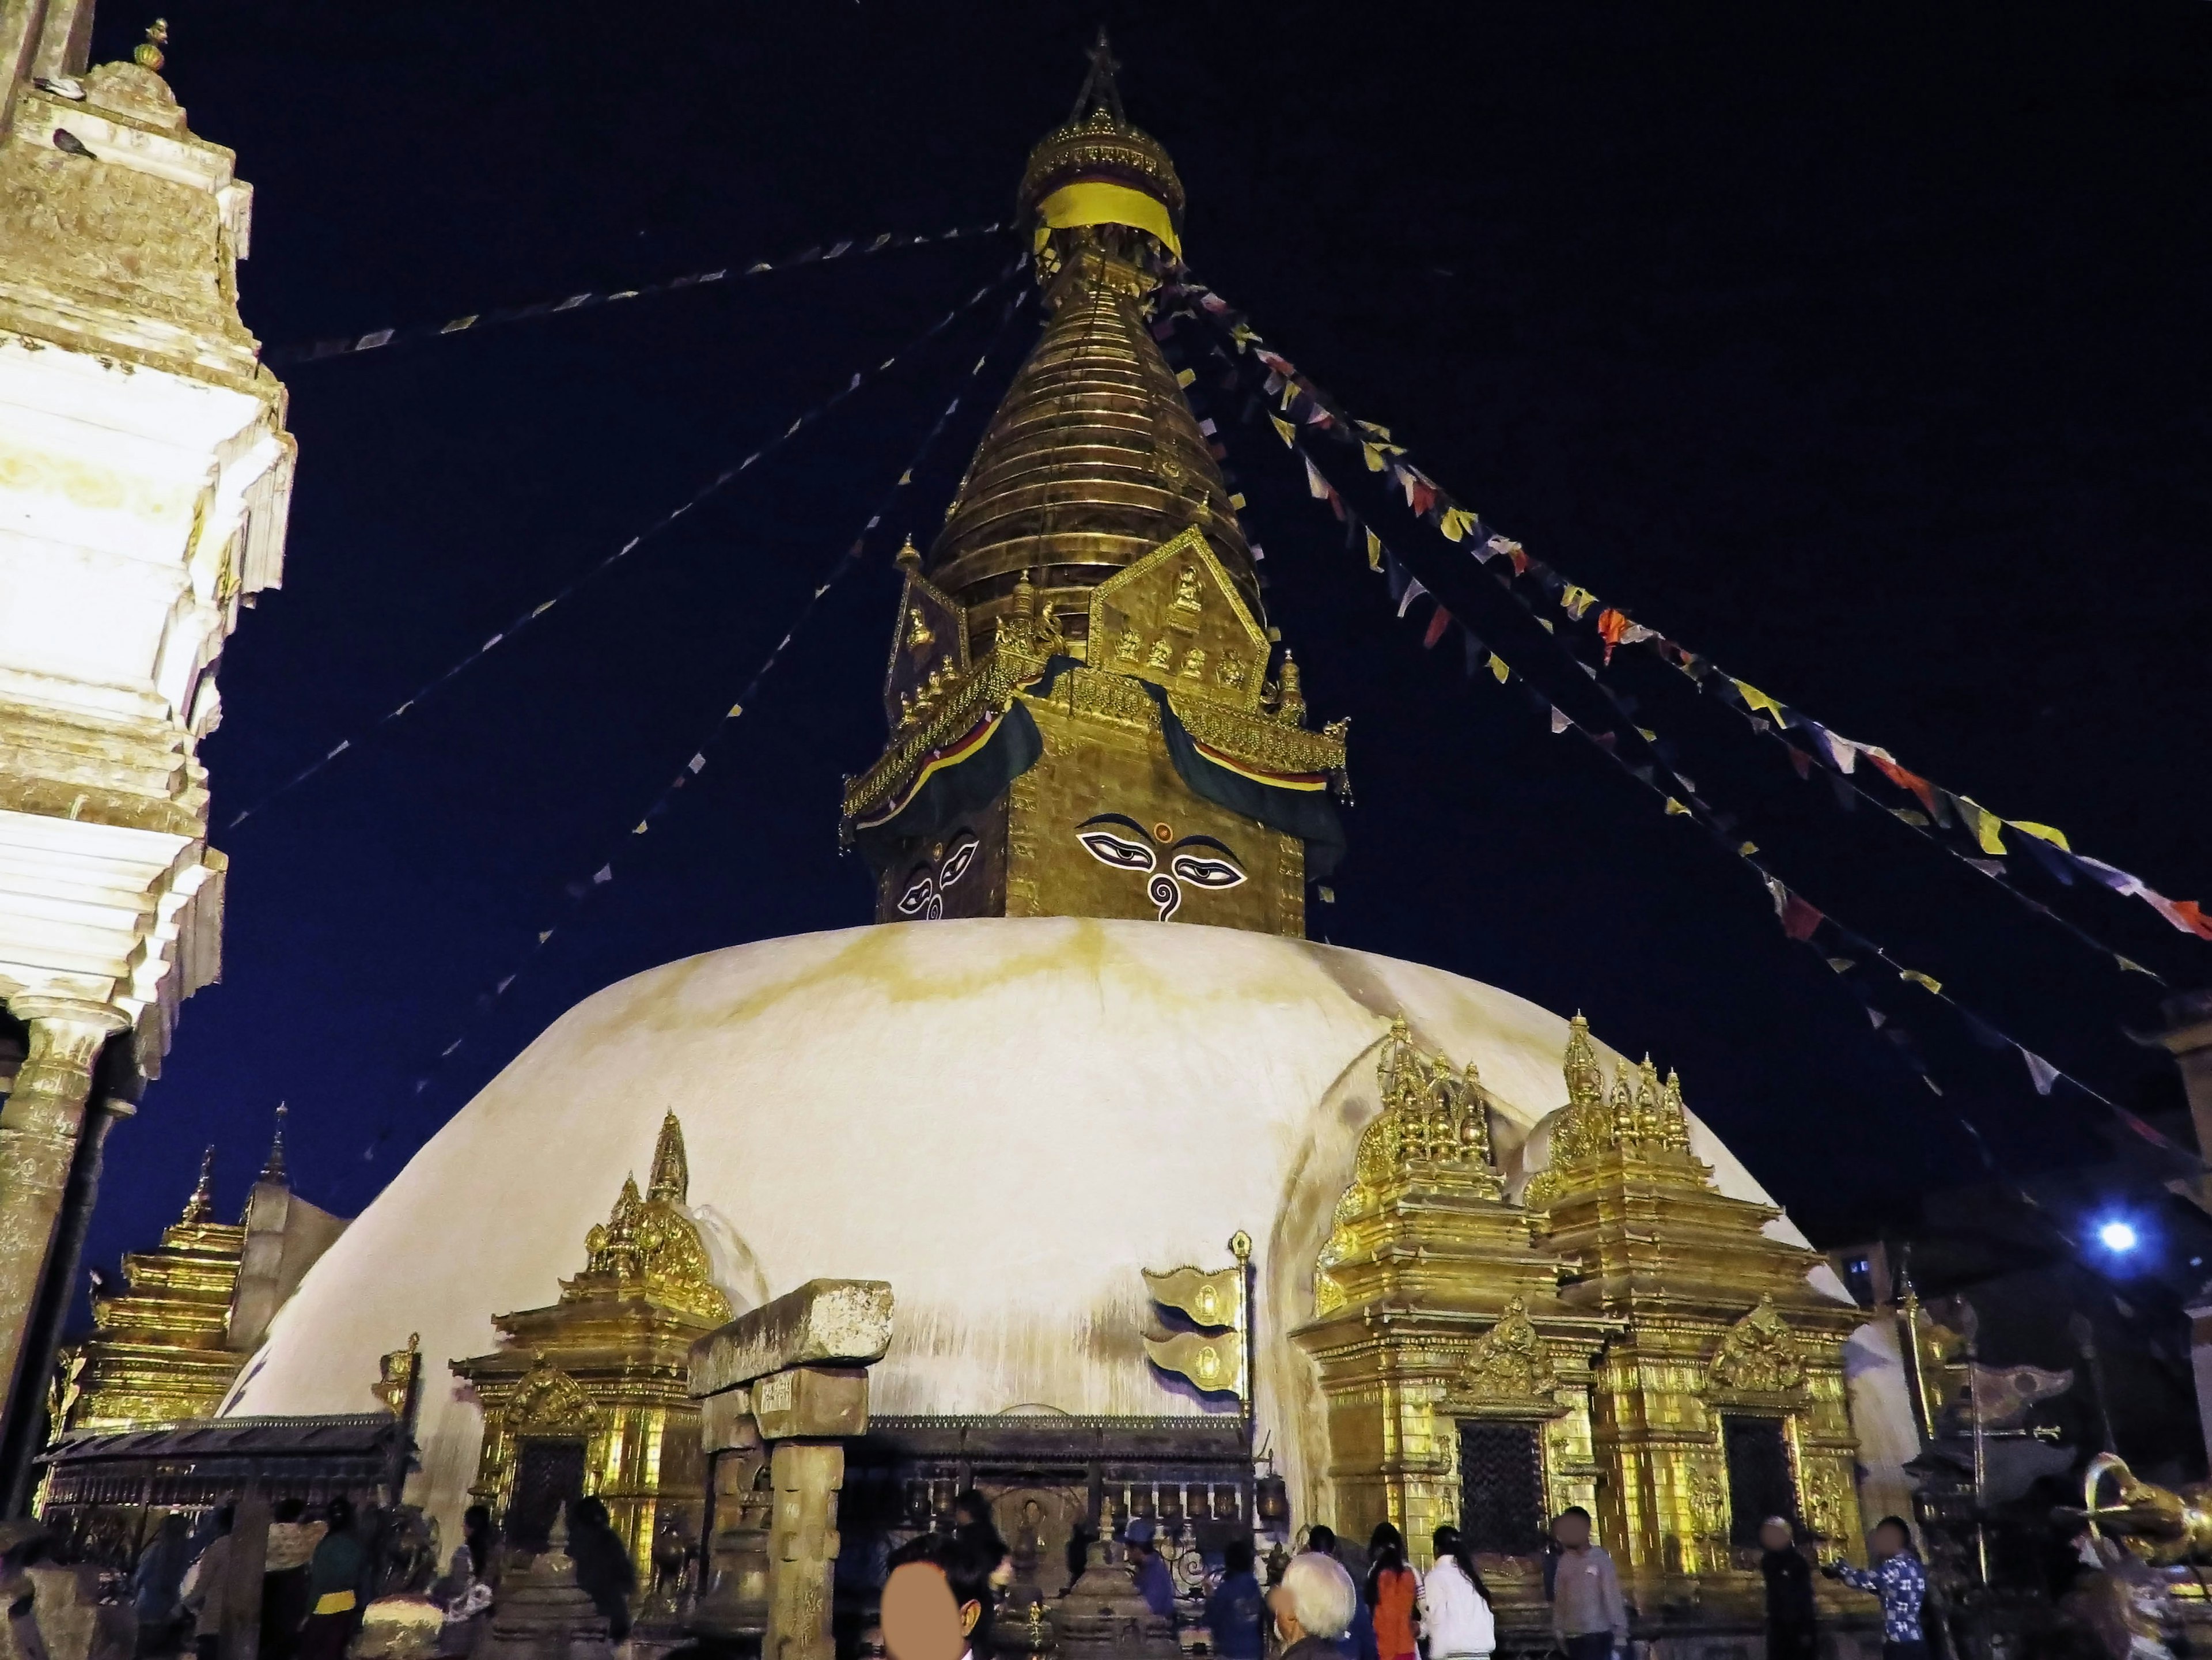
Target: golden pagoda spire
x=671, y=1171
x=272, y=1168
x=1087, y=714
x=201, y=1205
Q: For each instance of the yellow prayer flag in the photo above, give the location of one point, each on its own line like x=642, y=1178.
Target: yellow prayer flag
x=2057, y=838
x=1373, y=455
x=1674, y=807
x=1374, y=551
x=1283, y=430
x=1756, y=698
x=1575, y=600
x=1497, y=668
x=1920, y=979
x=1647, y=734
x=1185, y=377
x=1216, y=1364
x=1984, y=824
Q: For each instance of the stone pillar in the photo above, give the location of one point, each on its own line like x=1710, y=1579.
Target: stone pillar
x=802, y=1546
x=38, y=1145
x=28, y=1430
x=784, y=1380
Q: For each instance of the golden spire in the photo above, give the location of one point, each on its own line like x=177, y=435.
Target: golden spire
x=1585, y=1083
x=272, y=1169
x=147, y=54
x=201, y=1205
x=671, y=1171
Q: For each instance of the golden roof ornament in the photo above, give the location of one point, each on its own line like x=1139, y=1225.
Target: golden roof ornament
x=201, y=1205
x=1639, y=1121
x=648, y=1247
x=272, y=1168
x=147, y=54
x=671, y=1169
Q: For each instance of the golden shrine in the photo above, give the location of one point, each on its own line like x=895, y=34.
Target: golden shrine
x=588, y=1394
x=168, y=1346
x=1622, y=1336
x=159, y=1351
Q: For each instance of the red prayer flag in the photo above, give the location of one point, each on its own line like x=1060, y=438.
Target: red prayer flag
x=1799, y=919
x=1800, y=760
x=1437, y=624
x=1905, y=780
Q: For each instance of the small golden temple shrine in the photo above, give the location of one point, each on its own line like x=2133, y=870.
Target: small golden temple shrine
x=588, y=1394
x=168, y=1346
x=1619, y=1334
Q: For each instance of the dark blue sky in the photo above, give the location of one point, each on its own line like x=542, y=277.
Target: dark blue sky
x=1861, y=349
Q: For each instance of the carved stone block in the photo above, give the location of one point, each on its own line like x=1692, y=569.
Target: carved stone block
x=824, y=1321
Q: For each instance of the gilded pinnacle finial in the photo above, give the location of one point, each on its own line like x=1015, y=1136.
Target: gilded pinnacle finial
x=1099, y=91
x=272, y=1169
x=908, y=557
x=201, y=1205
x=147, y=54
x=671, y=1169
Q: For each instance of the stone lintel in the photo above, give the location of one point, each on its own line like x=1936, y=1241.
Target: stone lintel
x=823, y=1322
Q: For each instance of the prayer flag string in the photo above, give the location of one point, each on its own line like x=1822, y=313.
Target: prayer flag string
x=1299, y=407
x=700, y=755
x=1801, y=920
x=352, y=345
x=781, y=436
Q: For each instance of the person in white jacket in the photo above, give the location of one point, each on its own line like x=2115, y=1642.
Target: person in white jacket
x=1456, y=1623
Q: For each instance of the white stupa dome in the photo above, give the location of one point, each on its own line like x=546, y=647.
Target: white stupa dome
x=1006, y=1119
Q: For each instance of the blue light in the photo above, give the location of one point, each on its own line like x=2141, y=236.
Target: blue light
x=2117, y=1236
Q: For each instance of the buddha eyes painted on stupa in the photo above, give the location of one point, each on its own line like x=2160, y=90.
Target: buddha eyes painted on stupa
x=924, y=894
x=1200, y=861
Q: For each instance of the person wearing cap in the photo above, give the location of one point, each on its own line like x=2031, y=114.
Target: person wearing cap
x=1149, y=1569
x=1791, y=1633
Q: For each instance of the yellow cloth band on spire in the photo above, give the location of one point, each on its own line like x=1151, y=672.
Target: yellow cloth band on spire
x=1095, y=202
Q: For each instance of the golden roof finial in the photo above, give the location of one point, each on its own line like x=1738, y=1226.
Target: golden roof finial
x=1099, y=91
x=201, y=1205
x=272, y=1169
x=908, y=557
x=147, y=54
x=1585, y=1083
x=671, y=1170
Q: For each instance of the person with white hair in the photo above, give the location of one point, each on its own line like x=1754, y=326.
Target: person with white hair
x=1312, y=1607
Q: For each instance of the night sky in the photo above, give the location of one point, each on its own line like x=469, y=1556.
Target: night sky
x=1860, y=347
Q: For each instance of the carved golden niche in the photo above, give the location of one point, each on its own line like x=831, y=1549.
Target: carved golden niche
x=1628, y=1338
x=589, y=1395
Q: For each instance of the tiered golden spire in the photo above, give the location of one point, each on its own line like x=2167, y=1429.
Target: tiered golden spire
x=1082, y=649
x=648, y=1247
x=1643, y=1122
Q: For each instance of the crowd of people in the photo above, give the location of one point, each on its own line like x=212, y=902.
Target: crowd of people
x=943, y=1589
x=321, y=1570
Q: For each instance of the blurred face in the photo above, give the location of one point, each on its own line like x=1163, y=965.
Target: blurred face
x=1775, y=1535
x=1888, y=1540
x=1571, y=1531
x=920, y=1620
x=1286, y=1623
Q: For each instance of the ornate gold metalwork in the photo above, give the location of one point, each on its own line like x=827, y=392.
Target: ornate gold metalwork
x=398, y=1373
x=157, y=1351
x=1609, y=1312
x=1094, y=523
x=1642, y=1128
x=147, y=54
x=1509, y=1360
x=2161, y=1526
x=608, y=1364
x=1758, y=1355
